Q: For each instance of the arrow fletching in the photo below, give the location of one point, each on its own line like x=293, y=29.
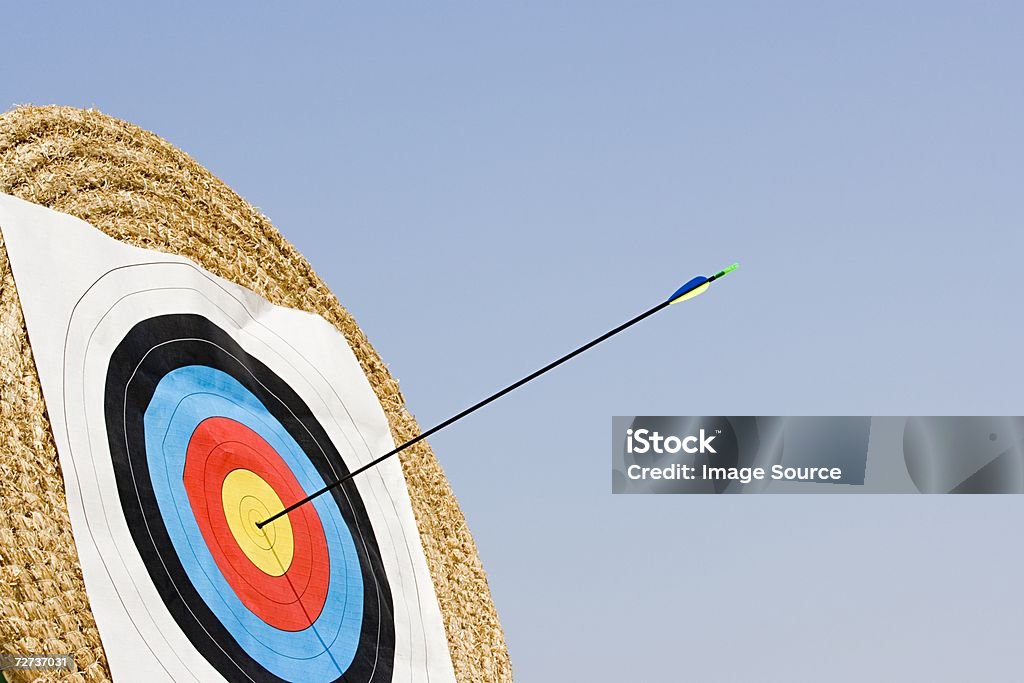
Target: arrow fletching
x=698, y=285
x=694, y=287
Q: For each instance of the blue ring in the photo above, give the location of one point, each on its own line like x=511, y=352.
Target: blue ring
x=323, y=651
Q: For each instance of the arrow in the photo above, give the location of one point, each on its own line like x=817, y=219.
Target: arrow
x=691, y=289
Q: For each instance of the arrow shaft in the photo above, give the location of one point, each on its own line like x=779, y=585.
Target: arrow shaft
x=472, y=409
x=693, y=286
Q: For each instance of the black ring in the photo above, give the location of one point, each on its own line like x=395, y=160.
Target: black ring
x=162, y=344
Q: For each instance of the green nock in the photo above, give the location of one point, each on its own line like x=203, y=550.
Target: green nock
x=723, y=273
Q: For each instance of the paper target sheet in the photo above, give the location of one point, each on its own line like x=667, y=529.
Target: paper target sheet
x=185, y=409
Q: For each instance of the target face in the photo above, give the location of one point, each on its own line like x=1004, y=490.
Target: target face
x=205, y=443
x=186, y=409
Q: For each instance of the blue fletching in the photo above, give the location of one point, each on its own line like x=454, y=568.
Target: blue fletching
x=688, y=287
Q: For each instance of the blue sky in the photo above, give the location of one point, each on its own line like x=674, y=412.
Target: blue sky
x=488, y=185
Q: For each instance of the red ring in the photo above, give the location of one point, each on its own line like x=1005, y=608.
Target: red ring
x=294, y=600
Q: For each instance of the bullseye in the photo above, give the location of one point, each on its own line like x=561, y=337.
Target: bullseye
x=247, y=498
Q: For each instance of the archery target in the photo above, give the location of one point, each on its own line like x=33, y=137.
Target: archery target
x=205, y=443
x=190, y=409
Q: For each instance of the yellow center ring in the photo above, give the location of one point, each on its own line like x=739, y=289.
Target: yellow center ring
x=247, y=499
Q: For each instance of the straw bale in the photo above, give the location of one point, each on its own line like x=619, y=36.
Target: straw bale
x=141, y=190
